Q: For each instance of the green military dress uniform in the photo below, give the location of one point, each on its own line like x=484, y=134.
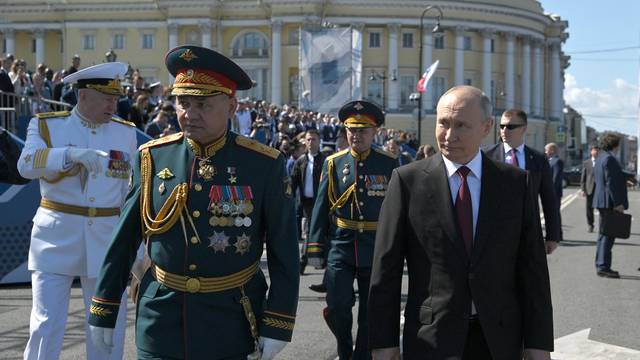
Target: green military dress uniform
x=206, y=213
x=344, y=219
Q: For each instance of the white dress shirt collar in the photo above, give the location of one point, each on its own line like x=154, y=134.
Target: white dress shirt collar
x=475, y=165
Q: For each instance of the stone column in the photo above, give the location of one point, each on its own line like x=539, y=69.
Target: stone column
x=538, y=79
x=276, y=62
x=39, y=35
x=525, y=90
x=10, y=38
x=555, y=79
x=219, y=47
x=205, y=30
x=393, y=86
x=509, y=72
x=459, y=56
x=173, y=42
x=427, y=58
x=487, y=35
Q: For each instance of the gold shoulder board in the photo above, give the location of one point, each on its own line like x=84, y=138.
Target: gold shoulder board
x=163, y=140
x=55, y=114
x=257, y=147
x=386, y=153
x=123, y=122
x=339, y=153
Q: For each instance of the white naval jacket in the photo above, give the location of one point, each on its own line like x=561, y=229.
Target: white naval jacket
x=64, y=243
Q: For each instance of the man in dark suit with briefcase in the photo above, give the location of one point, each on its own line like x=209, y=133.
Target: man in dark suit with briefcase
x=588, y=185
x=609, y=196
x=478, y=277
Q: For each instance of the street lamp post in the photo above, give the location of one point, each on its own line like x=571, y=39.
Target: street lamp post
x=110, y=56
x=436, y=30
x=374, y=75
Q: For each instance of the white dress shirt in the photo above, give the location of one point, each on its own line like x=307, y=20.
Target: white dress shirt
x=473, y=180
x=308, y=177
x=519, y=155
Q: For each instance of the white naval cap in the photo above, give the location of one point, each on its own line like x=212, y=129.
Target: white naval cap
x=102, y=77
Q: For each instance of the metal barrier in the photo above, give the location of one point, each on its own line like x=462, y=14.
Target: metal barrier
x=15, y=107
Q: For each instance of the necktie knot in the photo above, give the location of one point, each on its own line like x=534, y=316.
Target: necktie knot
x=463, y=171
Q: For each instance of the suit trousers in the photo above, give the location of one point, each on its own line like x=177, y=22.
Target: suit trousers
x=51, y=294
x=476, y=348
x=604, y=245
x=307, y=209
x=340, y=299
x=590, y=219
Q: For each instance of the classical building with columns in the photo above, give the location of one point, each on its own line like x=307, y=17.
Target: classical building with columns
x=511, y=49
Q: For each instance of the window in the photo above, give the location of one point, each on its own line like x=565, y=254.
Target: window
x=193, y=38
x=407, y=87
x=61, y=46
x=493, y=45
x=4, y=46
x=407, y=40
x=294, y=36
x=439, y=42
x=493, y=92
x=467, y=43
x=467, y=82
x=375, y=90
x=89, y=42
x=33, y=45
x=251, y=44
x=439, y=87
x=117, y=42
x=374, y=40
x=147, y=41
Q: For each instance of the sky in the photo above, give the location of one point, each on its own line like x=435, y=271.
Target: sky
x=602, y=81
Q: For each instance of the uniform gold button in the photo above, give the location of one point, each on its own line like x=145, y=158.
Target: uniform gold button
x=194, y=240
x=360, y=177
x=361, y=190
x=361, y=217
x=361, y=203
x=196, y=214
x=90, y=222
x=192, y=267
x=361, y=164
x=197, y=187
x=92, y=199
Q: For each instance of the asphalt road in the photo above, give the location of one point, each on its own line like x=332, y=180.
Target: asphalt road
x=581, y=300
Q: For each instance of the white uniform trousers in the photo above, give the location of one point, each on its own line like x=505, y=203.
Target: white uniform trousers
x=51, y=293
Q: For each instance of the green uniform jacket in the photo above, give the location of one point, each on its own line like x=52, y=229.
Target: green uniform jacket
x=354, y=185
x=213, y=325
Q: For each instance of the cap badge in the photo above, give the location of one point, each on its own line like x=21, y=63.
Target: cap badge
x=165, y=174
x=358, y=106
x=190, y=73
x=188, y=55
x=358, y=117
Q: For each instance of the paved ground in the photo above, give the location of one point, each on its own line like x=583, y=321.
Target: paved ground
x=610, y=308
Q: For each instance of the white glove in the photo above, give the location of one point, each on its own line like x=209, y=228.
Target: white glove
x=89, y=158
x=102, y=338
x=270, y=347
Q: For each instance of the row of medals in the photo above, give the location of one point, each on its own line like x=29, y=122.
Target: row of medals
x=231, y=213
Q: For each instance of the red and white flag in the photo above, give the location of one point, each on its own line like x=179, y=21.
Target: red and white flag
x=424, y=80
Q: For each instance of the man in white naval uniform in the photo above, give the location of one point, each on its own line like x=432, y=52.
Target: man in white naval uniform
x=83, y=160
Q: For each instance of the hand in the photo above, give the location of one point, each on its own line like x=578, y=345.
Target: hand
x=619, y=208
x=386, y=354
x=316, y=262
x=270, y=347
x=102, y=338
x=550, y=246
x=536, y=354
x=89, y=158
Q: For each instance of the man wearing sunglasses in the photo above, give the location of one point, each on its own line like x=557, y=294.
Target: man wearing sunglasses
x=512, y=150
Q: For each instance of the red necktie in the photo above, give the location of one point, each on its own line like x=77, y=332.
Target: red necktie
x=514, y=157
x=464, y=212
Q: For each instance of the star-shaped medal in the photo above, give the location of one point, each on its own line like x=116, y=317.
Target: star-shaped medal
x=233, y=179
x=218, y=241
x=27, y=158
x=243, y=244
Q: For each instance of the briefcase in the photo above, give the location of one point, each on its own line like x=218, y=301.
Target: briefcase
x=616, y=224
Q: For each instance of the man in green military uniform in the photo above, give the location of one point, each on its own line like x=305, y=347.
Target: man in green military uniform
x=205, y=201
x=344, y=220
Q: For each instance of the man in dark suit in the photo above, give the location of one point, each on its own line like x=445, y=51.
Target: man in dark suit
x=610, y=195
x=587, y=184
x=557, y=167
x=512, y=150
x=478, y=277
x=9, y=154
x=306, y=178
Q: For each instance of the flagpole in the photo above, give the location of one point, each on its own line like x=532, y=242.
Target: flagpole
x=435, y=30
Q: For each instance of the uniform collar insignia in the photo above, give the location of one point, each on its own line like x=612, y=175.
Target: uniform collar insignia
x=165, y=174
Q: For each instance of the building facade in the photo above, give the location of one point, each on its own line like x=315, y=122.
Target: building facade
x=509, y=48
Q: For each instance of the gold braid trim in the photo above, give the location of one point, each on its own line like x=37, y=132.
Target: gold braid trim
x=43, y=128
x=277, y=323
x=333, y=199
x=99, y=311
x=172, y=208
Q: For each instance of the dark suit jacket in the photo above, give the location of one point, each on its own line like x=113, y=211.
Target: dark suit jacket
x=586, y=178
x=506, y=274
x=557, y=167
x=540, y=184
x=299, y=173
x=5, y=81
x=9, y=154
x=611, y=189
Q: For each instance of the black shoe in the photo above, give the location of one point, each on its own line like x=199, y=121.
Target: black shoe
x=303, y=265
x=590, y=229
x=608, y=273
x=320, y=288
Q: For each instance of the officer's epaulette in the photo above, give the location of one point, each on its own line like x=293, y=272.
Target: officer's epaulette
x=257, y=147
x=386, y=153
x=122, y=121
x=54, y=114
x=163, y=140
x=339, y=153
